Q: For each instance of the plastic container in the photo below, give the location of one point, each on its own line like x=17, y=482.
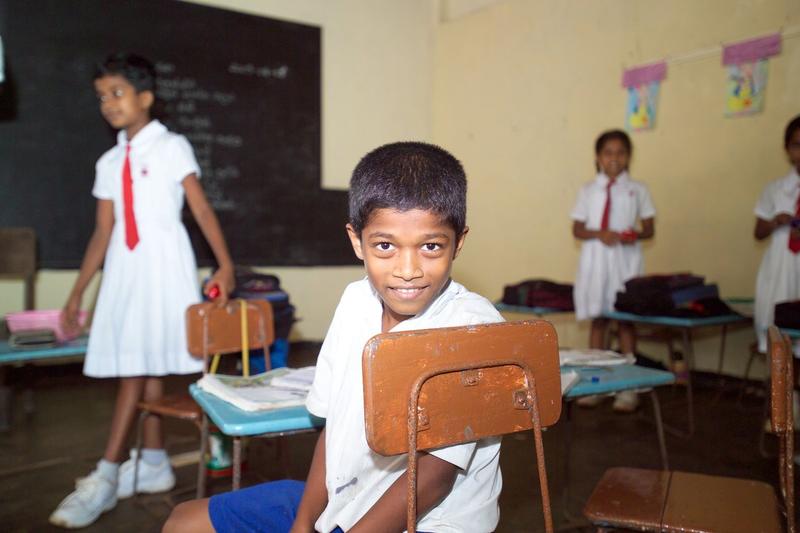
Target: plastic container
x=49, y=319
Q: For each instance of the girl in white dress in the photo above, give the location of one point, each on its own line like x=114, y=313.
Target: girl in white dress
x=778, y=215
x=149, y=279
x=605, y=218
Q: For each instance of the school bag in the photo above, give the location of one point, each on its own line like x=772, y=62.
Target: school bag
x=787, y=314
x=678, y=295
x=540, y=293
x=255, y=285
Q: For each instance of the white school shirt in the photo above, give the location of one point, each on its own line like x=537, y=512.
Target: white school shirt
x=603, y=270
x=779, y=275
x=138, y=328
x=355, y=476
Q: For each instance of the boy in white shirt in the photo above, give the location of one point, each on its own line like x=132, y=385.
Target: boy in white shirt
x=408, y=224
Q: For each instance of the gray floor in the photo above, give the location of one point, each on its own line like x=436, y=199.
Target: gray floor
x=62, y=439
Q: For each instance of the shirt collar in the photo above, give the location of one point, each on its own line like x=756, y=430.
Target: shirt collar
x=603, y=180
x=153, y=129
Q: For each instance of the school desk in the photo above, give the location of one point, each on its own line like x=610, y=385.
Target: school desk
x=10, y=355
x=792, y=333
x=685, y=326
x=608, y=380
x=237, y=423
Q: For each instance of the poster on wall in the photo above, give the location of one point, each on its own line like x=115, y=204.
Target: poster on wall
x=643, y=85
x=747, y=66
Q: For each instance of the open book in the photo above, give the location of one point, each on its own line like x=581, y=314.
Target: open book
x=588, y=357
x=281, y=387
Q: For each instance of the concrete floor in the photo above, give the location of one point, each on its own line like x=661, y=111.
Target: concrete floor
x=62, y=439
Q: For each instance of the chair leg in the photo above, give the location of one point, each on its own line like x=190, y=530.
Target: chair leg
x=237, y=462
x=201, y=462
x=662, y=445
x=139, y=431
x=762, y=433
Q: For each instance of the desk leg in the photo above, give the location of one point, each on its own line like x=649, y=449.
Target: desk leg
x=201, y=462
x=688, y=349
x=662, y=444
x=237, y=462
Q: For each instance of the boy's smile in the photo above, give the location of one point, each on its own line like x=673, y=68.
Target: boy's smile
x=121, y=105
x=408, y=256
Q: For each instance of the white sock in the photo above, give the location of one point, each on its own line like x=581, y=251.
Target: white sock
x=108, y=470
x=154, y=456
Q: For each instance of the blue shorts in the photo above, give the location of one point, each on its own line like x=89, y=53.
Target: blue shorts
x=268, y=507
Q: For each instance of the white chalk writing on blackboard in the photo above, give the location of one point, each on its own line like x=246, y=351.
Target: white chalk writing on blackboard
x=279, y=72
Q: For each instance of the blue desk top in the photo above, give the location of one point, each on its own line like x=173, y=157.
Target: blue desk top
x=235, y=422
x=676, y=321
x=540, y=311
x=793, y=333
x=604, y=380
x=9, y=354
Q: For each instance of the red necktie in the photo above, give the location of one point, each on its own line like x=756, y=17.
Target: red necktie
x=607, y=208
x=794, y=242
x=131, y=234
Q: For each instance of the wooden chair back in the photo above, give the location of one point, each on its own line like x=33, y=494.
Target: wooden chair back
x=782, y=415
x=214, y=330
x=18, y=258
x=440, y=387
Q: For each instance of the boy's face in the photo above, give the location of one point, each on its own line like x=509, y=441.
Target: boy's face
x=121, y=105
x=613, y=158
x=408, y=256
x=793, y=150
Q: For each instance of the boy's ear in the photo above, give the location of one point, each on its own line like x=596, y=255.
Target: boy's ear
x=355, y=241
x=146, y=99
x=460, y=243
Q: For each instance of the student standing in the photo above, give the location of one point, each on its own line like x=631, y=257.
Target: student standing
x=149, y=279
x=778, y=216
x=605, y=218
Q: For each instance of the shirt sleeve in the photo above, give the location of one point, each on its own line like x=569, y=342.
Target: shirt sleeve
x=183, y=159
x=102, y=188
x=646, y=207
x=765, y=207
x=581, y=210
x=319, y=396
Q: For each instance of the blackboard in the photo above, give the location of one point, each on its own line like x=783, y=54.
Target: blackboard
x=244, y=89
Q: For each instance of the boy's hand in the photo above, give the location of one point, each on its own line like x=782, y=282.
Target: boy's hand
x=69, y=315
x=608, y=237
x=224, y=281
x=782, y=219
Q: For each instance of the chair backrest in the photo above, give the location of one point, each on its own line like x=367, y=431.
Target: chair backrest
x=782, y=415
x=212, y=330
x=461, y=384
x=18, y=258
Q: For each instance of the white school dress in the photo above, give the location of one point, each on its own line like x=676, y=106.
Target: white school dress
x=779, y=275
x=603, y=270
x=355, y=476
x=138, y=327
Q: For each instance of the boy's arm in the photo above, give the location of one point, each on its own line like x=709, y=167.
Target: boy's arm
x=580, y=232
x=209, y=225
x=315, y=494
x=435, y=478
x=92, y=259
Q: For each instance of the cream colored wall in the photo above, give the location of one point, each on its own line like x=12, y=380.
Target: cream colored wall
x=521, y=90
x=377, y=60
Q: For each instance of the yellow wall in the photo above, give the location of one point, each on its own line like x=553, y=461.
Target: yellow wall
x=377, y=59
x=521, y=90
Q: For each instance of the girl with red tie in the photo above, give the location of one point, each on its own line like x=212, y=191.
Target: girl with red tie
x=149, y=279
x=778, y=215
x=605, y=218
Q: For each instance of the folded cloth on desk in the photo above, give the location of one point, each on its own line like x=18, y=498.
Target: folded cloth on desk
x=259, y=392
x=589, y=357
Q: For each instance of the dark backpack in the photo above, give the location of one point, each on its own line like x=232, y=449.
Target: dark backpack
x=679, y=295
x=787, y=315
x=540, y=293
x=254, y=285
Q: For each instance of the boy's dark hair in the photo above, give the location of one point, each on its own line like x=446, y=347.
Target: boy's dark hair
x=792, y=127
x=613, y=135
x=136, y=69
x=406, y=176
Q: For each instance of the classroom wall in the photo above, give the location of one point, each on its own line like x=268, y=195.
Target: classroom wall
x=521, y=90
x=377, y=59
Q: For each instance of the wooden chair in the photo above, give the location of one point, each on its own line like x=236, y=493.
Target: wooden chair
x=18, y=258
x=439, y=387
x=649, y=500
x=211, y=332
